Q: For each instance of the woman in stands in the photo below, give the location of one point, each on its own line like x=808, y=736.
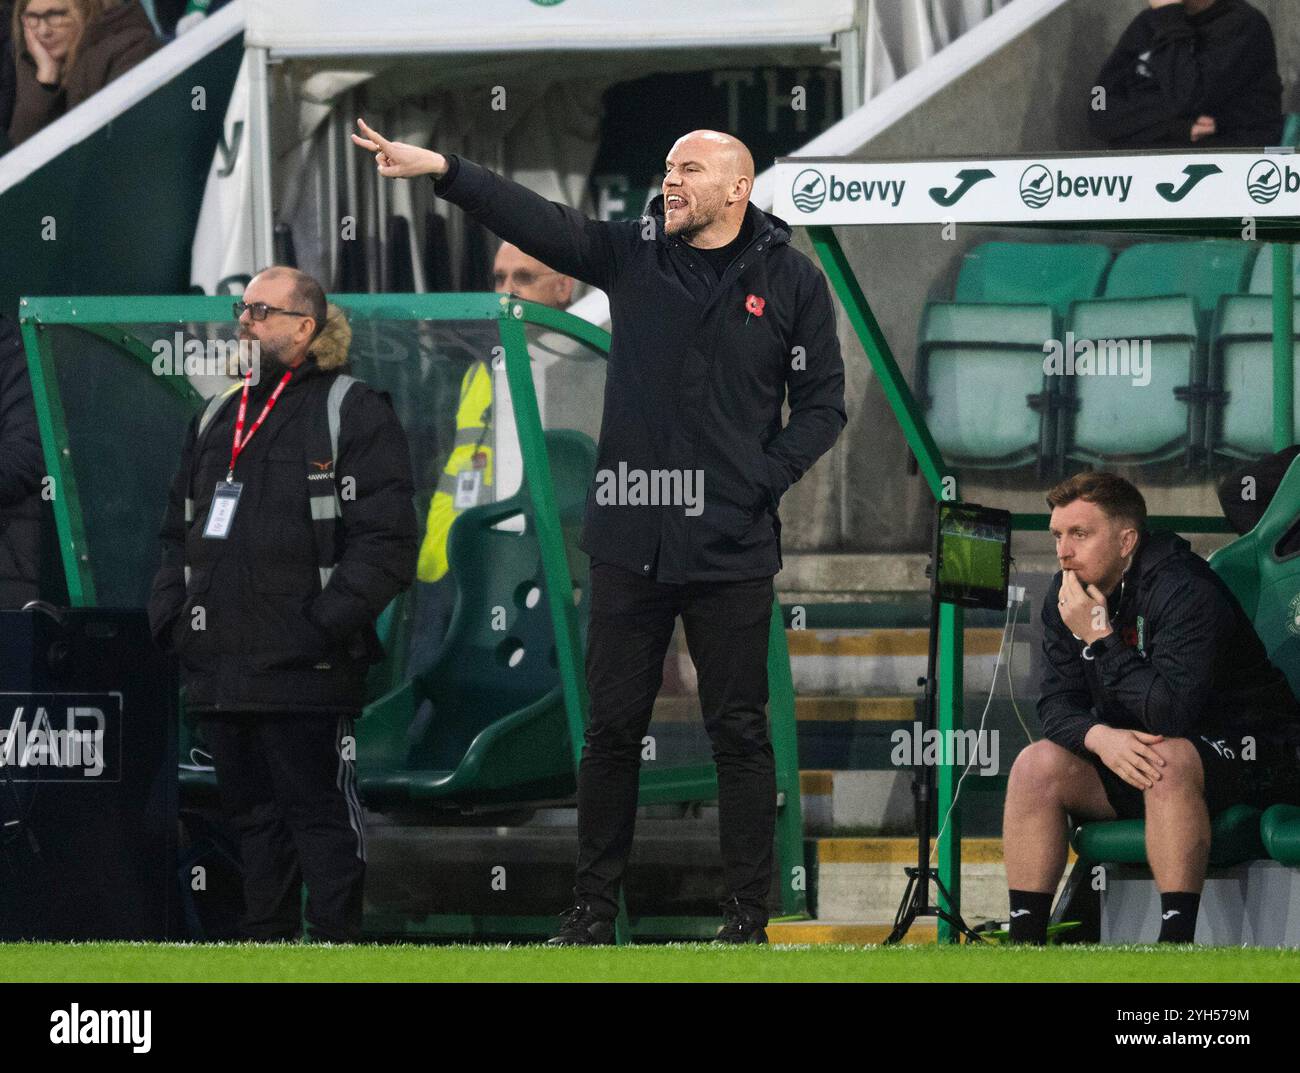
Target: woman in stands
x=66, y=50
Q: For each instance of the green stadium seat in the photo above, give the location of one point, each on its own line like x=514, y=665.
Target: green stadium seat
x=1016, y=273
x=1234, y=837
x=1280, y=830
x=1265, y=582
x=498, y=731
x=1164, y=292
x=980, y=357
x=1204, y=271
x=1114, y=419
x=985, y=384
x=1240, y=422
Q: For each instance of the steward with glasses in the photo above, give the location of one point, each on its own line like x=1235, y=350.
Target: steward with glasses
x=289, y=528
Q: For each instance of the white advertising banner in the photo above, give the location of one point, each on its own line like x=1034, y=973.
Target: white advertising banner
x=1066, y=189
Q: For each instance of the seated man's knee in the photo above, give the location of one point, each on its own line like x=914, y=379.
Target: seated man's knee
x=1041, y=770
x=1181, y=771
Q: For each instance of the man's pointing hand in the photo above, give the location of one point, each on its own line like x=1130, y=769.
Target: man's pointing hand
x=397, y=160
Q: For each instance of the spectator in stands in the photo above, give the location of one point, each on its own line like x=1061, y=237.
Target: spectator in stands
x=68, y=50
x=1191, y=73
x=21, y=469
x=289, y=529
x=470, y=469
x=1158, y=701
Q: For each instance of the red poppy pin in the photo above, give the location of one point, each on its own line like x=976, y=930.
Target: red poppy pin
x=754, y=306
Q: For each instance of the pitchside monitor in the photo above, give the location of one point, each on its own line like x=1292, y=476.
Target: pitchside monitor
x=973, y=555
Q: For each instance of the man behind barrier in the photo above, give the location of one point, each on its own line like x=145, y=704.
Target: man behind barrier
x=1158, y=702
x=469, y=475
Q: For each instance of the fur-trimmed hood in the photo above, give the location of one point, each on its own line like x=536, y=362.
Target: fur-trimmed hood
x=330, y=349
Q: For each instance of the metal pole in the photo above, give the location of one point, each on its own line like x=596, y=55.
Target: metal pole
x=259, y=144
x=852, y=90
x=950, y=719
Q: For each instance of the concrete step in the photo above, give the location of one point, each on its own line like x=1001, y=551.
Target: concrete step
x=808, y=708
x=833, y=801
x=863, y=878
x=861, y=662
x=849, y=932
x=890, y=660
x=879, y=801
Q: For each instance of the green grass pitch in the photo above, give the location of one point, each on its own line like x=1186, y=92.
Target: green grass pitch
x=176, y=962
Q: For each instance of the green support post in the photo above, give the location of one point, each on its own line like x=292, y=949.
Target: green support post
x=1283, y=346
x=785, y=748
x=950, y=719
x=58, y=463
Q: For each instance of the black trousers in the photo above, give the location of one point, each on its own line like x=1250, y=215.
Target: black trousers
x=287, y=784
x=726, y=626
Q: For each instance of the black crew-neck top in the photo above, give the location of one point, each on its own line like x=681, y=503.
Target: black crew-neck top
x=718, y=259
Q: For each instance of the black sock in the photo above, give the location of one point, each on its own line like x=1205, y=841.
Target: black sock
x=1029, y=912
x=1178, y=911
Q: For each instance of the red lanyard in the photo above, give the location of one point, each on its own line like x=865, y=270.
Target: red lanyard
x=237, y=446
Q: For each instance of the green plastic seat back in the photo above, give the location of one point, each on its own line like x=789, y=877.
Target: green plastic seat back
x=485, y=673
x=1113, y=419
x=1267, y=585
x=1243, y=363
x=982, y=361
x=1205, y=271
x=1012, y=273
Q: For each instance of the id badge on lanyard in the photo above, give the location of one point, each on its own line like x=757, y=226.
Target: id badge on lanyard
x=469, y=482
x=221, y=515
x=225, y=500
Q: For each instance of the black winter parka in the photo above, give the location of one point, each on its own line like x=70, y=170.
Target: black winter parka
x=272, y=639
x=698, y=370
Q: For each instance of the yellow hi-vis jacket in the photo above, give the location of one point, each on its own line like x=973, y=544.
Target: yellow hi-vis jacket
x=471, y=453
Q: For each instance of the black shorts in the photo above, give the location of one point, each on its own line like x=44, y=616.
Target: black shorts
x=1271, y=777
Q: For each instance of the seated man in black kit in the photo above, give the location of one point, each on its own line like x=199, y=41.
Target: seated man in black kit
x=1157, y=701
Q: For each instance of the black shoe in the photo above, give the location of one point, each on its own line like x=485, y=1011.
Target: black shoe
x=739, y=927
x=582, y=927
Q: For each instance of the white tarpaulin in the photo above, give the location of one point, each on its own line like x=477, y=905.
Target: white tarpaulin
x=322, y=27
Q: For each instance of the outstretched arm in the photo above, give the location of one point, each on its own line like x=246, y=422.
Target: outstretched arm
x=557, y=235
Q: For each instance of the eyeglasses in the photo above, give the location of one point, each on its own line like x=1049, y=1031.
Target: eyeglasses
x=55, y=19
x=259, y=310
